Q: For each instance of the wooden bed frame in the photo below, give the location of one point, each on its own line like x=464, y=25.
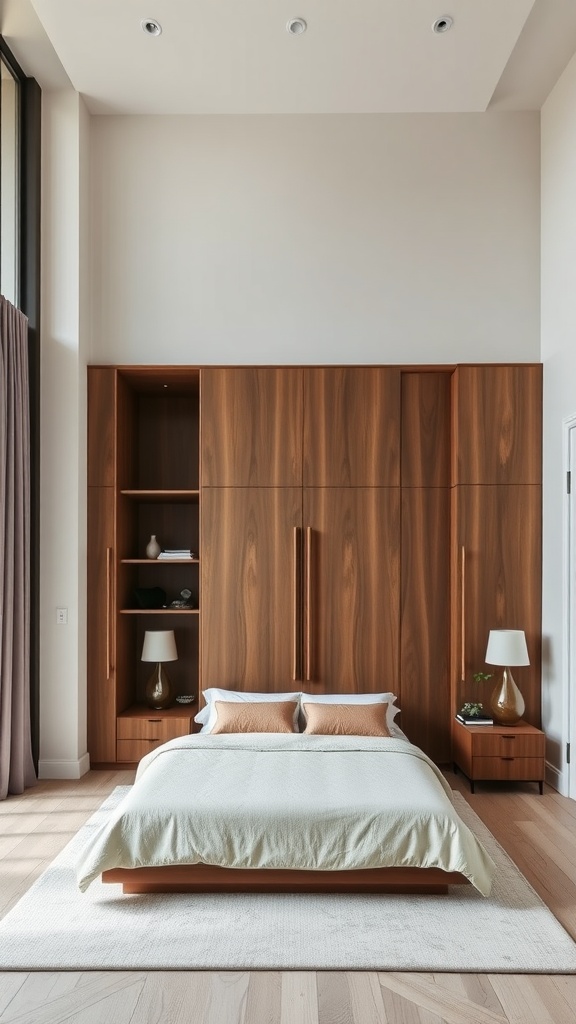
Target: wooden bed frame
x=208, y=878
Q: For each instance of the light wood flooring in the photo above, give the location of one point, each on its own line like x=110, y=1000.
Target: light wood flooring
x=538, y=832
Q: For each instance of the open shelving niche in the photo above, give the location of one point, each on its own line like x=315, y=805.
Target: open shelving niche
x=157, y=493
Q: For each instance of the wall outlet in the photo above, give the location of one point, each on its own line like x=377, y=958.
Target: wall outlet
x=62, y=616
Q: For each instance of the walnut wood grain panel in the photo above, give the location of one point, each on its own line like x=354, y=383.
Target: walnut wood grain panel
x=101, y=426
x=167, y=442
x=211, y=878
x=499, y=529
x=497, y=425
x=425, y=619
x=101, y=656
x=351, y=426
x=247, y=572
x=355, y=587
x=529, y=769
x=251, y=427
x=426, y=429
x=152, y=726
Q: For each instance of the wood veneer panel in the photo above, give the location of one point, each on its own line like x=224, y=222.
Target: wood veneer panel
x=101, y=426
x=426, y=429
x=247, y=598
x=101, y=626
x=211, y=878
x=499, y=529
x=497, y=425
x=355, y=587
x=251, y=427
x=425, y=620
x=351, y=426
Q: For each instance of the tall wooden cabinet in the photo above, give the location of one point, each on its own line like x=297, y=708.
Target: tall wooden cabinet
x=143, y=479
x=300, y=553
x=355, y=529
x=496, y=550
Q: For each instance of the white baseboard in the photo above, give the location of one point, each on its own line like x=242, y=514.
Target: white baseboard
x=64, y=769
x=556, y=779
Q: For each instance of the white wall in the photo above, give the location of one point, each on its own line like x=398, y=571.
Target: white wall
x=559, y=358
x=283, y=239
x=63, y=438
x=363, y=238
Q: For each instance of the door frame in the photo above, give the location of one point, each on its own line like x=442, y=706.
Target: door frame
x=569, y=588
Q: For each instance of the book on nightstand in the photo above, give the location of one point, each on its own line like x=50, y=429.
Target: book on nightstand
x=474, y=719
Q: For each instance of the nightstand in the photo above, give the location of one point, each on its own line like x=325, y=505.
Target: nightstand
x=500, y=753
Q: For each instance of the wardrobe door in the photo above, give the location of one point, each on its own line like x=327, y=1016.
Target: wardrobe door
x=497, y=425
x=251, y=597
x=351, y=588
x=497, y=561
x=251, y=427
x=351, y=426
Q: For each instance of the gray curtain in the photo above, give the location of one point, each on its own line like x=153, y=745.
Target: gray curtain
x=16, y=764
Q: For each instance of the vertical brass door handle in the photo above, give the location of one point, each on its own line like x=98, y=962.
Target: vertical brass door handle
x=463, y=614
x=308, y=666
x=297, y=604
x=108, y=582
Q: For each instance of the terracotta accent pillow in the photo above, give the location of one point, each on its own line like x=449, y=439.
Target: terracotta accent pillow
x=256, y=716
x=346, y=719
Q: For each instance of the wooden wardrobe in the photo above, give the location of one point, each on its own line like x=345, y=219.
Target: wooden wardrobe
x=356, y=529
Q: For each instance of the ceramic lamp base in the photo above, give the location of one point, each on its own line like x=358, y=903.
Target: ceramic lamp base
x=159, y=692
x=507, y=703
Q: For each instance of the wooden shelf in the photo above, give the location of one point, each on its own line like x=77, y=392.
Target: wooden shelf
x=159, y=611
x=162, y=496
x=160, y=561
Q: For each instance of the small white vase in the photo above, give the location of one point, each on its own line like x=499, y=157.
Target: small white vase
x=153, y=548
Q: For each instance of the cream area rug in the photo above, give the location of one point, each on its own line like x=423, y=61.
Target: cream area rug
x=55, y=927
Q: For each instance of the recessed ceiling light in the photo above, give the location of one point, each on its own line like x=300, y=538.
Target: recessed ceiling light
x=296, y=26
x=443, y=24
x=151, y=27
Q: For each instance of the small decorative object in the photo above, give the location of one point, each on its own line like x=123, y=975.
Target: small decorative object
x=186, y=698
x=482, y=677
x=184, y=599
x=153, y=548
x=159, y=646
x=507, y=647
x=472, y=713
x=472, y=709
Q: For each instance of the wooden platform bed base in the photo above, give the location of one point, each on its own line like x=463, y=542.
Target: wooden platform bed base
x=206, y=878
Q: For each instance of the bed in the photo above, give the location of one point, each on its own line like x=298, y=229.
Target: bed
x=286, y=812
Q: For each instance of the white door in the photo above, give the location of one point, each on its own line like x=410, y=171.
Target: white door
x=570, y=590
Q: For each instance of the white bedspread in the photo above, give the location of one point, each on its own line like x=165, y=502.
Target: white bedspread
x=283, y=801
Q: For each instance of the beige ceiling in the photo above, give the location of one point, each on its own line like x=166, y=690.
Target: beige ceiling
x=236, y=57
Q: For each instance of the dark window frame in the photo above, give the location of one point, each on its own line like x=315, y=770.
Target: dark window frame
x=29, y=262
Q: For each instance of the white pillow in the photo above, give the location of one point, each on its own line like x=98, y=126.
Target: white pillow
x=207, y=716
x=355, y=698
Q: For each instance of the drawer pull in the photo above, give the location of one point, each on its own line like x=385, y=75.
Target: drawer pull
x=507, y=737
x=155, y=720
x=506, y=758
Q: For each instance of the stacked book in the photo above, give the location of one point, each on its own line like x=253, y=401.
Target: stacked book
x=172, y=553
x=474, y=719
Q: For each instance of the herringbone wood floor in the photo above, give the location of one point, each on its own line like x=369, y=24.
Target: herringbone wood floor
x=539, y=833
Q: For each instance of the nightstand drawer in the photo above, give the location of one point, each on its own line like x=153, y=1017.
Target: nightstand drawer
x=498, y=744
x=134, y=750
x=529, y=769
x=152, y=728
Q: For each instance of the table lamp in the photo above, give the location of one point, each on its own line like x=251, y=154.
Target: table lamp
x=159, y=646
x=507, y=647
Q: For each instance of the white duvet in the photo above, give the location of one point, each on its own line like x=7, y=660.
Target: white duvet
x=287, y=801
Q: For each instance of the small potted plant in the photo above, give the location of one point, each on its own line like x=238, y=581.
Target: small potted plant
x=473, y=711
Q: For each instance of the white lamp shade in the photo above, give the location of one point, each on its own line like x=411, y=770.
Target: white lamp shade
x=507, y=647
x=159, y=645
